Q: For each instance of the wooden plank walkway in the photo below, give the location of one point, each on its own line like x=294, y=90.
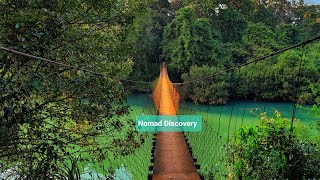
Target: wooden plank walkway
x=172, y=158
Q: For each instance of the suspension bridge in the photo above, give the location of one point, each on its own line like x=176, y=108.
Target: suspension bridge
x=172, y=158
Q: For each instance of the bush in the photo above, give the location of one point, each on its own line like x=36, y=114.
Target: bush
x=272, y=150
x=211, y=90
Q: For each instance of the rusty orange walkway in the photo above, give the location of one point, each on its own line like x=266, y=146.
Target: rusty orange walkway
x=172, y=158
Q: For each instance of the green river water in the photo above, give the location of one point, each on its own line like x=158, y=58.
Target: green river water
x=222, y=119
x=248, y=110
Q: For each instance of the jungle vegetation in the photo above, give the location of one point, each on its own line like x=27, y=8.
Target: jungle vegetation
x=50, y=115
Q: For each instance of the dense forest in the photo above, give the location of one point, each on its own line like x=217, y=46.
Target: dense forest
x=199, y=38
x=51, y=115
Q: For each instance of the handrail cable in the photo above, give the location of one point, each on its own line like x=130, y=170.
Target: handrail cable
x=254, y=61
x=67, y=65
x=148, y=82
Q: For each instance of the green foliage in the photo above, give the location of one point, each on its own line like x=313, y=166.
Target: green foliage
x=231, y=24
x=146, y=36
x=212, y=91
x=259, y=39
x=308, y=23
x=177, y=37
x=271, y=150
x=226, y=33
x=264, y=15
x=53, y=119
x=246, y=7
x=50, y=114
x=145, y=49
x=287, y=35
x=278, y=79
x=189, y=41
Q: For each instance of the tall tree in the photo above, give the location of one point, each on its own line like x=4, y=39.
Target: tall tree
x=146, y=35
x=259, y=39
x=213, y=90
x=189, y=40
x=231, y=24
x=287, y=35
x=50, y=113
x=264, y=15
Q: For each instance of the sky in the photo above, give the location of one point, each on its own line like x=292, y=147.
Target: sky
x=312, y=1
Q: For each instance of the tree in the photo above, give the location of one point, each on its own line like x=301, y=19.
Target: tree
x=245, y=7
x=191, y=41
x=259, y=39
x=307, y=20
x=231, y=24
x=146, y=35
x=287, y=35
x=271, y=150
x=282, y=78
x=50, y=114
x=213, y=90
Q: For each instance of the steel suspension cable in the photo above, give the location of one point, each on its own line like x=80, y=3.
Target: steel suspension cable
x=295, y=100
x=68, y=66
x=255, y=60
x=146, y=82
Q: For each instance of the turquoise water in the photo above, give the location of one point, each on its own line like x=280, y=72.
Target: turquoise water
x=236, y=112
x=250, y=109
x=253, y=108
x=221, y=124
x=222, y=120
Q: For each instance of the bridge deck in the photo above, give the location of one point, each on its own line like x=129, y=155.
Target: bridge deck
x=172, y=156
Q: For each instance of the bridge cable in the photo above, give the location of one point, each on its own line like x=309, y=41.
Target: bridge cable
x=255, y=60
x=69, y=66
x=148, y=82
x=297, y=88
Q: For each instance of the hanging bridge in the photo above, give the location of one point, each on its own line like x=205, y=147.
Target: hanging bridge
x=172, y=158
